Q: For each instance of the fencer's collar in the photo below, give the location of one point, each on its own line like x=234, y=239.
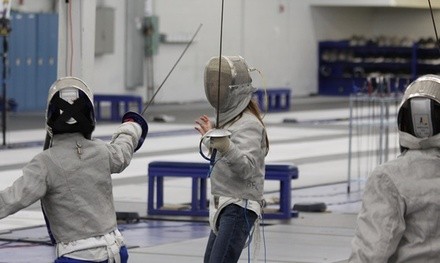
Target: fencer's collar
x=411, y=142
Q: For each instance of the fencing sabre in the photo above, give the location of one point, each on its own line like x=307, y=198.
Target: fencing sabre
x=169, y=73
x=216, y=132
x=433, y=23
x=5, y=29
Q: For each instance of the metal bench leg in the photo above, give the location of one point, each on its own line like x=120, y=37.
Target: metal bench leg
x=285, y=198
x=151, y=182
x=194, y=194
x=203, y=194
x=159, y=196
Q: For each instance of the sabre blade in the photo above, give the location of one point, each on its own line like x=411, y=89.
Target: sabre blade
x=433, y=23
x=169, y=73
x=220, y=65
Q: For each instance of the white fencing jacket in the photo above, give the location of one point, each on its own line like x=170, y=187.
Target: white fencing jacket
x=400, y=216
x=239, y=172
x=73, y=180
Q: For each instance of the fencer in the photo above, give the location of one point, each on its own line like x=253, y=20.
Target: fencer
x=237, y=176
x=399, y=218
x=72, y=177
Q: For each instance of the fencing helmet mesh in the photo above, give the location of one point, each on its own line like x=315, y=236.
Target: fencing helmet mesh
x=70, y=108
x=235, y=91
x=419, y=111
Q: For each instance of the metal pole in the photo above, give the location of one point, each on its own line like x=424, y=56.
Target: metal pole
x=387, y=129
x=350, y=135
x=149, y=66
x=4, y=75
x=381, y=130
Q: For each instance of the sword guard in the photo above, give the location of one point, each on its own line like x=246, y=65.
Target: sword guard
x=217, y=133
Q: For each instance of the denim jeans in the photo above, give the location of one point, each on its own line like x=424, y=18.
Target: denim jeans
x=233, y=229
x=123, y=252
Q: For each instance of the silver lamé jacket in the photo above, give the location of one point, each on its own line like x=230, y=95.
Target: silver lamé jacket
x=239, y=172
x=75, y=186
x=400, y=216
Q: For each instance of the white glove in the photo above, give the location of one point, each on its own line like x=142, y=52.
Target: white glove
x=130, y=128
x=220, y=143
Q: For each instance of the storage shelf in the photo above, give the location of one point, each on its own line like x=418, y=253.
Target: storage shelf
x=344, y=68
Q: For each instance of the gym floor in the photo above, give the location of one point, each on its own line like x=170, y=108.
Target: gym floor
x=313, y=135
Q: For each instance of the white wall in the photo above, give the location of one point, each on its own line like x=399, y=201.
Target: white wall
x=34, y=5
x=279, y=37
x=270, y=38
x=109, y=68
x=333, y=23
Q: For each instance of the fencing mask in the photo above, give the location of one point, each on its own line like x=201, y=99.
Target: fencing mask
x=70, y=108
x=235, y=91
x=419, y=111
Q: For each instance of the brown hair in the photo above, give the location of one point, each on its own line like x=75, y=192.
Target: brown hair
x=255, y=110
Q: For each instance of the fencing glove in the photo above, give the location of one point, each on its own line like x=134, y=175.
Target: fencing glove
x=133, y=116
x=220, y=143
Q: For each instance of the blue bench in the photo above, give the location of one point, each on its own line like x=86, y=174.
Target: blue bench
x=198, y=172
x=278, y=99
x=116, y=102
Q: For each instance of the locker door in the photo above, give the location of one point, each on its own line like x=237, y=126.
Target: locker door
x=47, y=49
x=22, y=60
x=30, y=58
x=16, y=52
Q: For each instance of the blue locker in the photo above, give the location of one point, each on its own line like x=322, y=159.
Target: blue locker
x=22, y=66
x=18, y=69
x=16, y=58
x=32, y=59
x=47, y=51
x=1, y=74
x=30, y=56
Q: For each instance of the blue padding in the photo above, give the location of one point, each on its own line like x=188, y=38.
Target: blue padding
x=201, y=169
x=171, y=165
x=291, y=169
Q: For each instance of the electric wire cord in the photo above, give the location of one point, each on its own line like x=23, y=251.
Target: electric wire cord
x=211, y=160
x=249, y=231
x=433, y=23
x=251, y=234
x=201, y=151
x=266, y=99
x=264, y=237
x=9, y=245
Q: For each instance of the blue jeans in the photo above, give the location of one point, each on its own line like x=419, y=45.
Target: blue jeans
x=234, y=224
x=123, y=252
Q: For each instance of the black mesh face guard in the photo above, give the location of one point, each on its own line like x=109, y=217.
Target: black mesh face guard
x=405, y=120
x=60, y=111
